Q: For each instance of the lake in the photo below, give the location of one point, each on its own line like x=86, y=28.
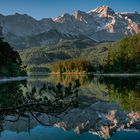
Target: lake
x=70, y=107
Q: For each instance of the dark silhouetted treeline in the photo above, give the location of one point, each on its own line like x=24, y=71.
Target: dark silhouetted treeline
x=10, y=61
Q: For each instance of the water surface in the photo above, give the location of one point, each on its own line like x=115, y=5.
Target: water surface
x=114, y=92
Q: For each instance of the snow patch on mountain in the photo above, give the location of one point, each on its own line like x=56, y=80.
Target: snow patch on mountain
x=102, y=24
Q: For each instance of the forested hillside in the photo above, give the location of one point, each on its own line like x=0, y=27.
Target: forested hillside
x=124, y=57
x=64, y=50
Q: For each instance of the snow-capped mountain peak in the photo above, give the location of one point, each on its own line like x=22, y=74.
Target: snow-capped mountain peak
x=103, y=11
x=101, y=24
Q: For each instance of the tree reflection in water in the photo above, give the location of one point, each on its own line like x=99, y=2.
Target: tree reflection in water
x=51, y=100
x=60, y=104
x=123, y=90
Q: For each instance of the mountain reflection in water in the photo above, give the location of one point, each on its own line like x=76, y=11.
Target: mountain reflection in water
x=80, y=103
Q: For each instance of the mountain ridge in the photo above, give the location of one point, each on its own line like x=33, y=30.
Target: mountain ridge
x=100, y=24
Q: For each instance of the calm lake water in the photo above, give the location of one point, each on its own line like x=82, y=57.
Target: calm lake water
x=32, y=110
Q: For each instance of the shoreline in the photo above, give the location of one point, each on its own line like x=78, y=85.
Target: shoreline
x=11, y=79
x=118, y=74
x=89, y=73
x=21, y=78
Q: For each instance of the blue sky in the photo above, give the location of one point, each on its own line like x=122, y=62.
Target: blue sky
x=53, y=8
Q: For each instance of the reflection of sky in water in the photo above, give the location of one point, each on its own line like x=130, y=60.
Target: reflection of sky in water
x=42, y=133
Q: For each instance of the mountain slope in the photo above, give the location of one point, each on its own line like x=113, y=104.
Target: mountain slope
x=66, y=49
x=100, y=24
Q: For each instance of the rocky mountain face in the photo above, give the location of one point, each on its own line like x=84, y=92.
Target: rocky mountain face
x=100, y=24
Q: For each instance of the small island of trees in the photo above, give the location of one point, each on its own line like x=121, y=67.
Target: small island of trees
x=72, y=66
